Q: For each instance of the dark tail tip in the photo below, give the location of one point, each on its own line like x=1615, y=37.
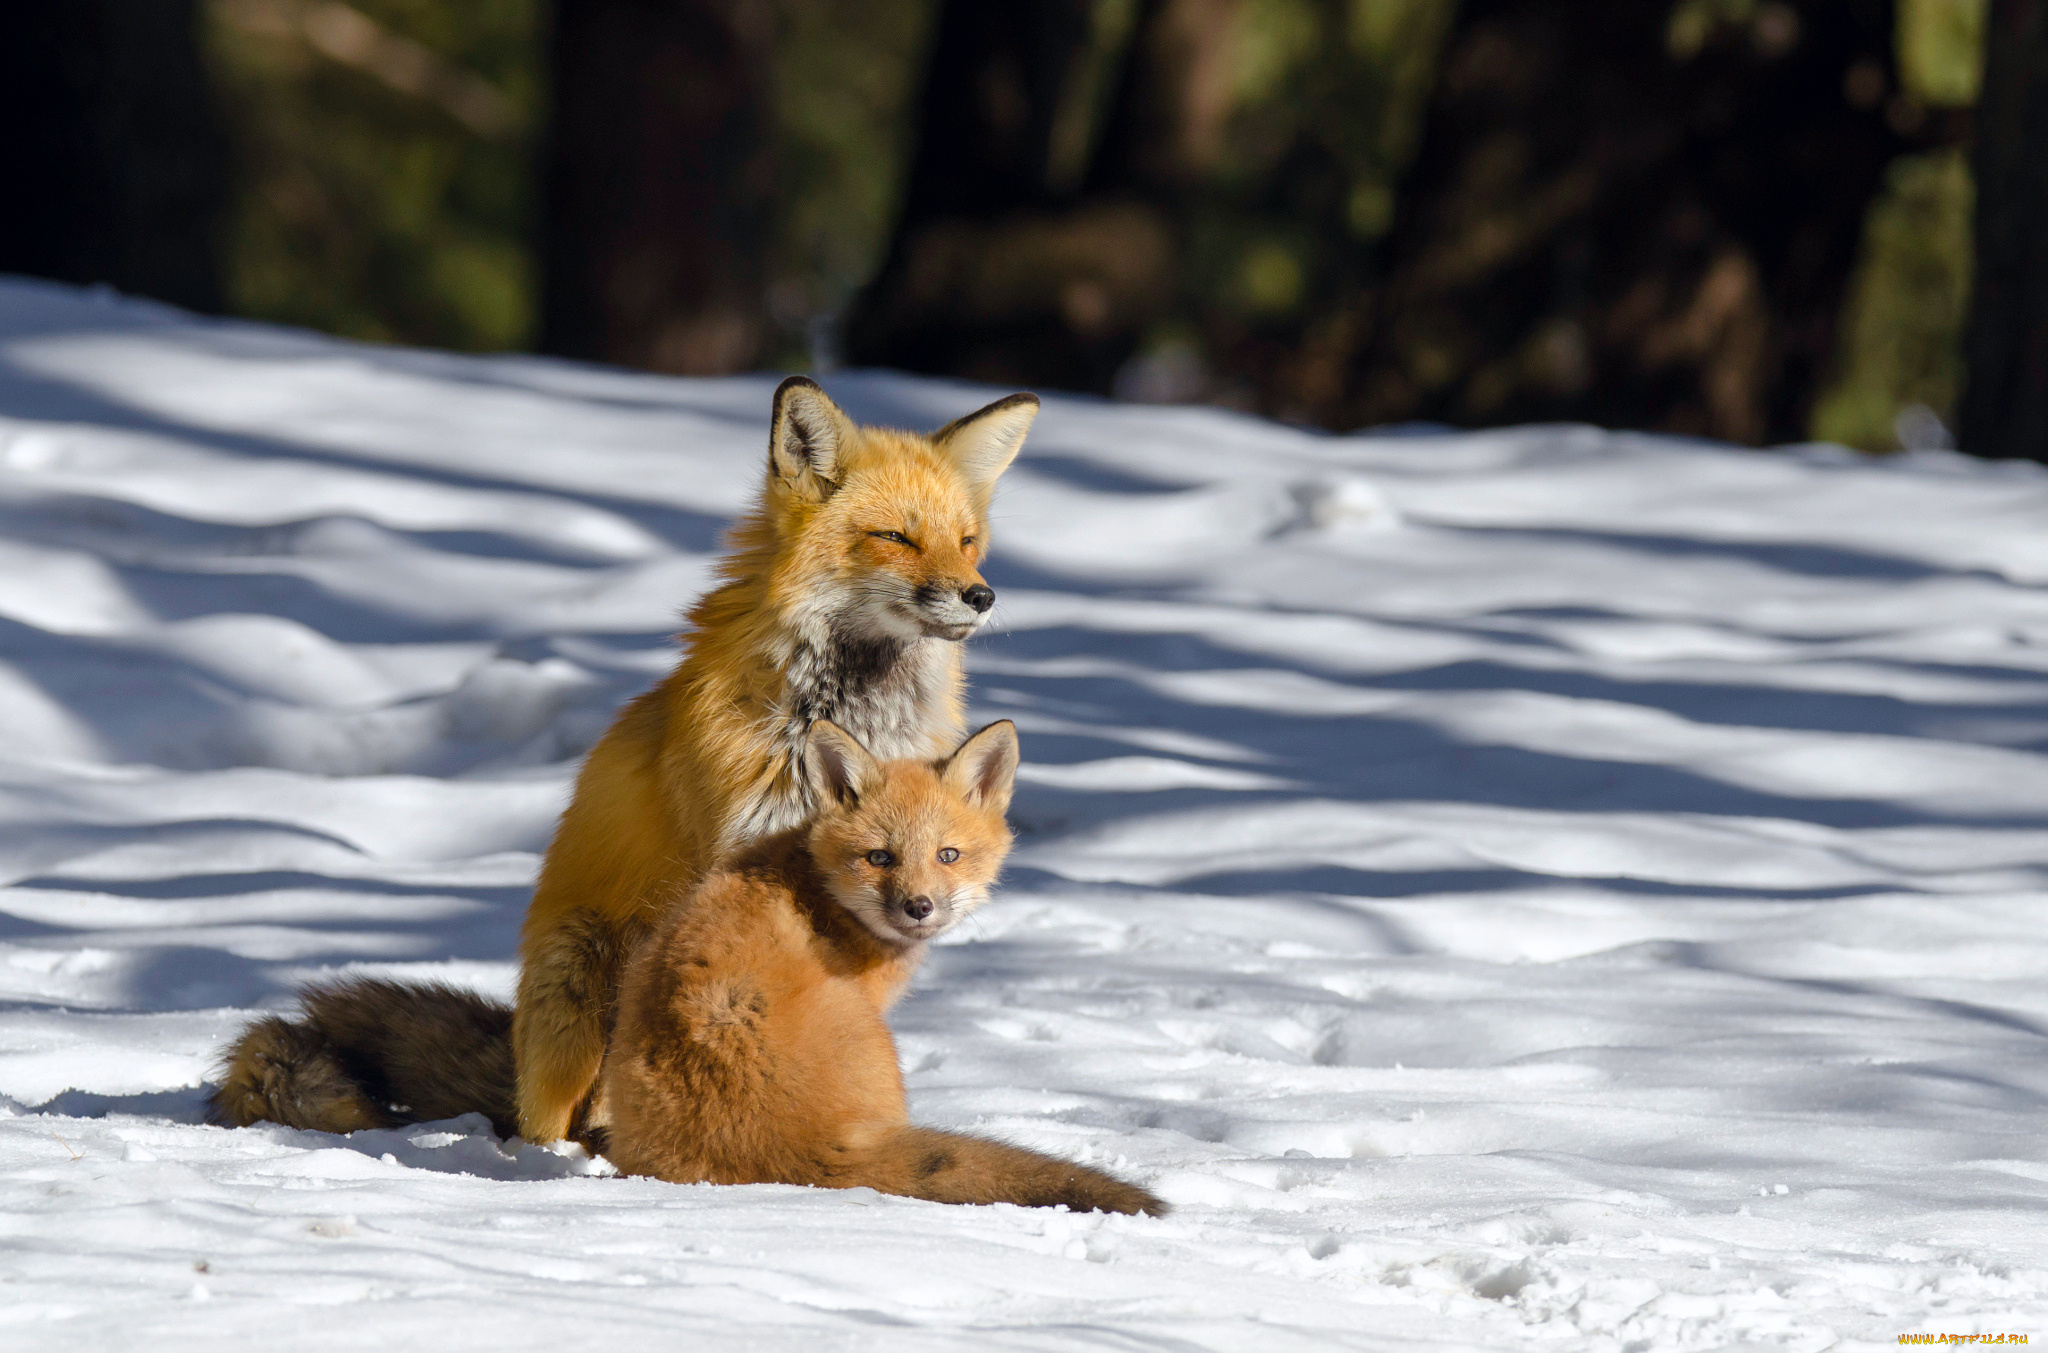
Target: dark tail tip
x=281, y=1072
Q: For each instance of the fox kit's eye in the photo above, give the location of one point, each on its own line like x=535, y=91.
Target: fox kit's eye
x=967, y=542
x=948, y=855
x=881, y=859
x=894, y=538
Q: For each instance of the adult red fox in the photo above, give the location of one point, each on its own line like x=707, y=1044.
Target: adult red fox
x=846, y=594
x=751, y=1045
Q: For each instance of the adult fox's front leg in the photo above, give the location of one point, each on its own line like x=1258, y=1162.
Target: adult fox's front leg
x=567, y=983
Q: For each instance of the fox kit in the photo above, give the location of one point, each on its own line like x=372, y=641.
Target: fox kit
x=750, y=1045
x=846, y=594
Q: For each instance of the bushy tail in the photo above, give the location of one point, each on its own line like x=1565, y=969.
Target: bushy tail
x=949, y=1167
x=369, y=1053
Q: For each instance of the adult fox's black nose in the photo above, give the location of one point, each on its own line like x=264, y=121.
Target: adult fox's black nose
x=980, y=596
x=917, y=908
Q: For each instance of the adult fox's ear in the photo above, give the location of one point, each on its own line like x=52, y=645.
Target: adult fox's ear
x=985, y=442
x=840, y=768
x=807, y=436
x=984, y=770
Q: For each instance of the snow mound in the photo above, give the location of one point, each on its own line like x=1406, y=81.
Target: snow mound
x=1530, y=889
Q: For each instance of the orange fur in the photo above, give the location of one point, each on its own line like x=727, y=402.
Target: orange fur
x=821, y=615
x=751, y=1045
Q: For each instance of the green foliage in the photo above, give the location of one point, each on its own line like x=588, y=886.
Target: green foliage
x=1899, y=343
x=384, y=183
x=1304, y=116
x=1941, y=50
x=386, y=176
x=1900, y=340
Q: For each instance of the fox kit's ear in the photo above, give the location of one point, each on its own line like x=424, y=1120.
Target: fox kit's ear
x=985, y=768
x=985, y=442
x=840, y=768
x=807, y=435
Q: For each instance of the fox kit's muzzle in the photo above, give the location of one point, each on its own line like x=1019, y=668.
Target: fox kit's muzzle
x=919, y=915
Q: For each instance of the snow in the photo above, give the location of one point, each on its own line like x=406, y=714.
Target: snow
x=1522, y=890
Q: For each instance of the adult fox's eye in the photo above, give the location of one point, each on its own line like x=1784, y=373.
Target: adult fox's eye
x=948, y=855
x=897, y=537
x=881, y=859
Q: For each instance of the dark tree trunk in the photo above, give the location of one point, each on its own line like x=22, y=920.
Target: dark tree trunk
x=1616, y=220
x=660, y=185
x=2005, y=401
x=115, y=168
x=994, y=80
x=1003, y=265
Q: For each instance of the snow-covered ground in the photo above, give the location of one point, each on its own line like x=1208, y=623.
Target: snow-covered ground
x=1536, y=889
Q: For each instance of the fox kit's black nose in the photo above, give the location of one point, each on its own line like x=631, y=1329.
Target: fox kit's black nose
x=980, y=596
x=917, y=908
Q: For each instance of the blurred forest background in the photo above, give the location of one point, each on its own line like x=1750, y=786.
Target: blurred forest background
x=1748, y=219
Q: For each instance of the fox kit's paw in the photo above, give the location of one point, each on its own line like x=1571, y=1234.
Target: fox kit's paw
x=1093, y=1191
